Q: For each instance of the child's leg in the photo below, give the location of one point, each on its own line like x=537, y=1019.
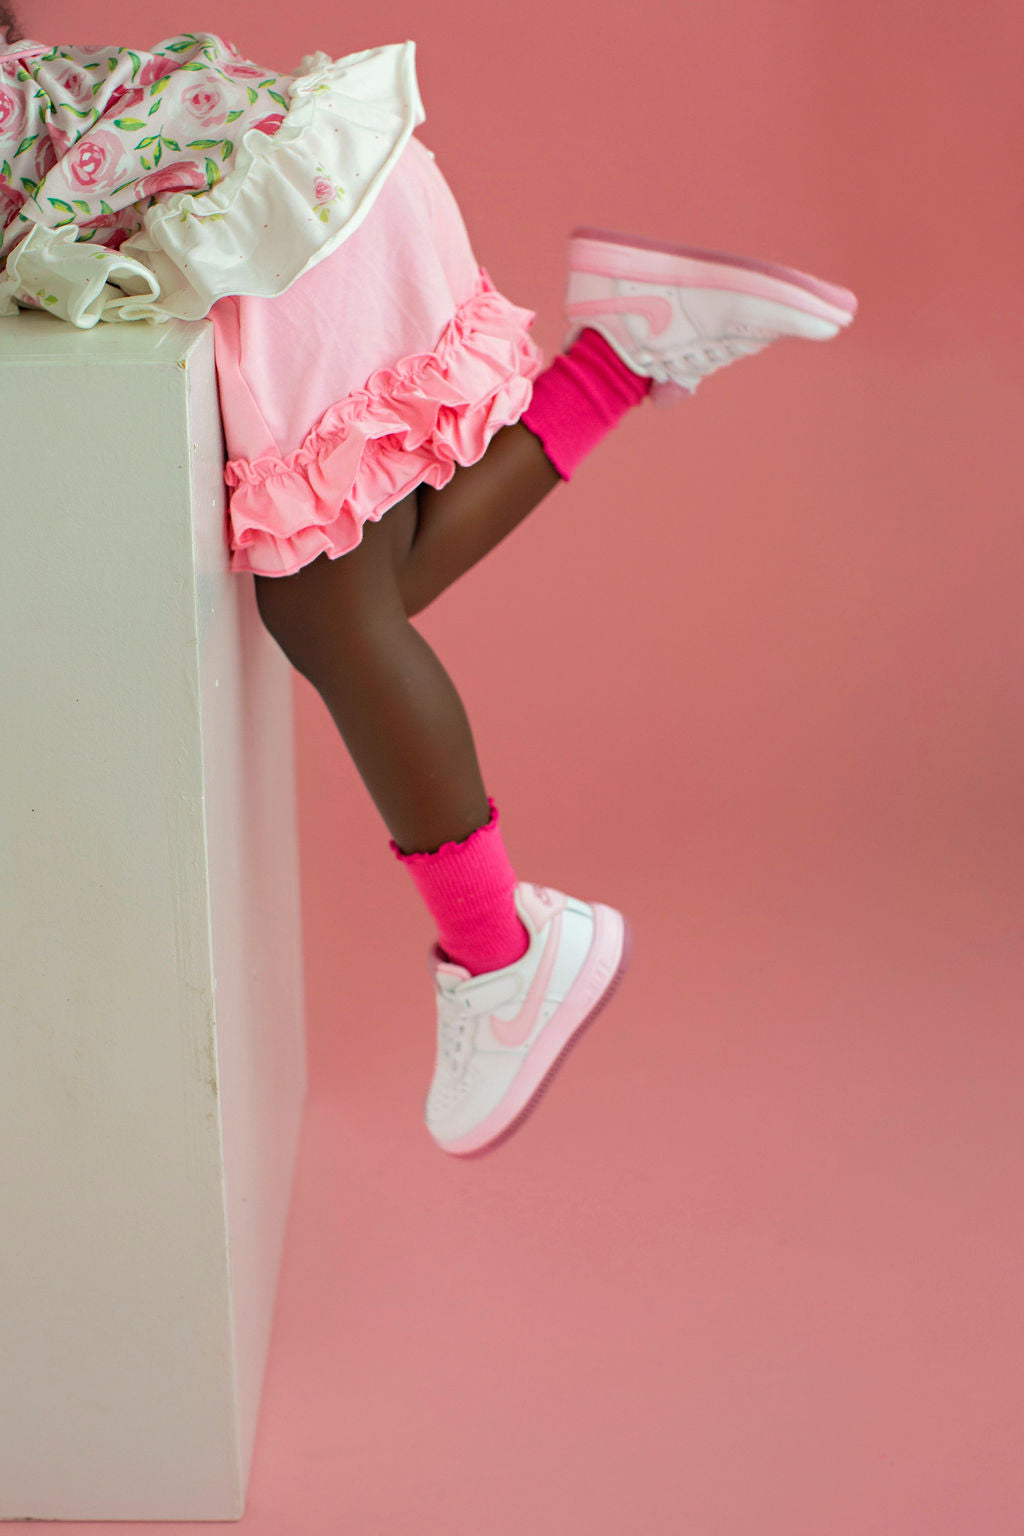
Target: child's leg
x=343, y=625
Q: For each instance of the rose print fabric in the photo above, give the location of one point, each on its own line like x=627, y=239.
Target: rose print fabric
x=139, y=185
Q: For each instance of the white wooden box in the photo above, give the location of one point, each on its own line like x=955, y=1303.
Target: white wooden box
x=152, y=1046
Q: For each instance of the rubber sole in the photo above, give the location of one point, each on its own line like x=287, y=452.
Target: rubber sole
x=834, y=298
x=523, y=1114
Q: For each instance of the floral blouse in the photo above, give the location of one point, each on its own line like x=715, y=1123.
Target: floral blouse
x=139, y=185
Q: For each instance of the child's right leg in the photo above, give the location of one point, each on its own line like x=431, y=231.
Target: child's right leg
x=342, y=623
x=523, y=967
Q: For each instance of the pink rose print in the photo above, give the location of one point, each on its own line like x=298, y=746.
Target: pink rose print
x=12, y=114
x=209, y=101
x=155, y=69
x=184, y=176
x=271, y=124
x=75, y=83
x=60, y=140
x=46, y=155
x=245, y=71
x=323, y=189
x=123, y=100
x=113, y=229
x=97, y=162
x=11, y=199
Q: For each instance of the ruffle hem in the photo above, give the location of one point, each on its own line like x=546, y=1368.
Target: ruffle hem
x=411, y=424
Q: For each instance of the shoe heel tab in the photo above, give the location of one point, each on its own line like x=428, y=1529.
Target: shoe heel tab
x=448, y=974
x=440, y=966
x=538, y=904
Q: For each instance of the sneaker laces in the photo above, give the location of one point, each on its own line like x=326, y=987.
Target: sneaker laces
x=705, y=356
x=453, y=1025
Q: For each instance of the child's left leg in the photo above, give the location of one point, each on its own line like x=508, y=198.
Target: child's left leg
x=640, y=312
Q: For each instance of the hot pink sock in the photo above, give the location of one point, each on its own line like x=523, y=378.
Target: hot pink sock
x=468, y=887
x=585, y=392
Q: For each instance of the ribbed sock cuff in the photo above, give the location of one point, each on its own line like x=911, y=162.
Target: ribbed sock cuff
x=468, y=888
x=577, y=400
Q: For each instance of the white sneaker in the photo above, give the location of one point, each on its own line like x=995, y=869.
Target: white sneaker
x=675, y=315
x=502, y=1034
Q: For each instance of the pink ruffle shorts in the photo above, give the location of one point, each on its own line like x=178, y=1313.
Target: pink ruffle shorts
x=385, y=366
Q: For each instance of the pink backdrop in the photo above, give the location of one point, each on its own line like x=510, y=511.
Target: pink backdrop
x=755, y=676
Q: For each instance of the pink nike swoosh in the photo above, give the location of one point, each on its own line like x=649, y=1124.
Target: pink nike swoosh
x=656, y=311
x=515, y=1031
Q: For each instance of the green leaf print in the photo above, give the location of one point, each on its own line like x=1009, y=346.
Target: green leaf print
x=105, y=207
x=252, y=95
x=136, y=63
x=234, y=116
x=58, y=203
x=171, y=143
x=83, y=205
x=212, y=173
x=160, y=85
x=97, y=87
x=50, y=298
x=157, y=156
x=80, y=111
x=31, y=187
x=25, y=144
x=111, y=63
x=130, y=122
x=153, y=109
x=145, y=143
x=145, y=162
x=228, y=147
x=7, y=172
x=279, y=99
x=202, y=143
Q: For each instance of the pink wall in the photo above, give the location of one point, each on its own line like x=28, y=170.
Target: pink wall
x=755, y=677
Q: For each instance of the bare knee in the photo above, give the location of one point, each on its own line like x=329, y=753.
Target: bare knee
x=330, y=610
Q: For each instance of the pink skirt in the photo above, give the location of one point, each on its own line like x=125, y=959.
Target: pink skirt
x=385, y=366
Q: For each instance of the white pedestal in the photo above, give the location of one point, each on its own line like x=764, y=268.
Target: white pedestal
x=152, y=1049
